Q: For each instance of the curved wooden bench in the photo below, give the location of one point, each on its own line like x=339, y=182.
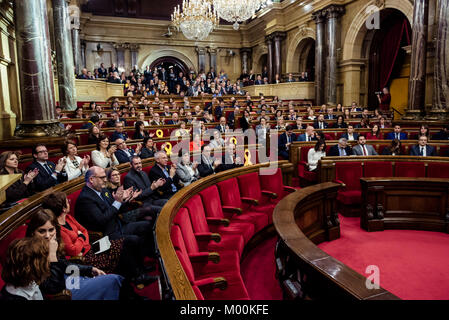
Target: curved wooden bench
x=302, y=220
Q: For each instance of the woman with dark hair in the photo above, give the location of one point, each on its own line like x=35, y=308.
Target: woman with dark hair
x=104, y=155
x=394, y=149
x=75, y=166
x=149, y=148
x=339, y=108
x=94, y=135
x=22, y=188
x=340, y=124
x=315, y=154
x=139, y=131
x=79, y=113
x=374, y=134
x=86, y=282
x=26, y=265
x=364, y=124
x=186, y=171
x=424, y=131
x=279, y=114
x=245, y=121
x=92, y=106
x=347, y=114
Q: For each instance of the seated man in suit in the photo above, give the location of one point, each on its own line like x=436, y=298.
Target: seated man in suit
x=363, y=149
x=139, y=180
x=298, y=124
x=219, y=110
x=208, y=164
x=174, y=119
x=163, y=171
x=50, y=174
x=229, y=159
x=350, y=135
x=98, y=210
x=330, y=114
x=396, y=134
x=232, y=116
x=341, y=149
x=222, y=126
x=123, y=153
x=443, y=134
x=423, y=149
x=309, y=135
x=320, y=123
x=284, y=142
x=119, y=133
x=156, y=120
x=115, y=119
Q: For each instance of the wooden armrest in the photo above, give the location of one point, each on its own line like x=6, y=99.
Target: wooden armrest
x=212, y=283
x=270, y=194
x=208, y=236
x=340, y=182
x=63, y=295
x=218, y=221
x=251, y=201
x=289, y=189
x=230, y=209
x=204, y=257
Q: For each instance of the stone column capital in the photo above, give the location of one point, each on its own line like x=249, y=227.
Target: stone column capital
x=201, y=50
x=134, y=46
x=269, y=40
x=278, y=36
x=334, y=11
x=319, y=16
x=246, y=50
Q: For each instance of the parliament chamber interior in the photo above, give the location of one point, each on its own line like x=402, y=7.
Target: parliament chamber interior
x=224, y=150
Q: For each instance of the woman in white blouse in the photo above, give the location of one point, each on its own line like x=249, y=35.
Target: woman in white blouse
x=104, y=156
x=315, y=154
x=141, y=117
x=75, y=166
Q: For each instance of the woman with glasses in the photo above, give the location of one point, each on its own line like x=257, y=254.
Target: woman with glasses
x=104, y=156
x=75, y=166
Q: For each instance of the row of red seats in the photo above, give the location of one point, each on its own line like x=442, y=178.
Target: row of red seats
x=209, y=233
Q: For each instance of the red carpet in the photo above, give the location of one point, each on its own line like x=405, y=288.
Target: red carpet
x=258, y=270
x=413, y=264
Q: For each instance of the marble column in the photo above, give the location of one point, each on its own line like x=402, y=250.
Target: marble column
x=76, y=49
x=64, y=55
x=120, y=50
x=83, y=54
x=319, y=18
x=278, y=38
x=201, y=58
x=332, y=12
x=417, y=83
x=441, y=70
x=134, y=50
x=35, y=70
x=245, y=53
x=270, y=58
x=213, y=58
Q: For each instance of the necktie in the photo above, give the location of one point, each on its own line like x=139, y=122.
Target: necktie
x=50, y=172
x=364, y=151
x=421, y=151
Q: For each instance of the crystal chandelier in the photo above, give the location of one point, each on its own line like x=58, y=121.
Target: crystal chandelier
x=196, y=20
x=237, y=10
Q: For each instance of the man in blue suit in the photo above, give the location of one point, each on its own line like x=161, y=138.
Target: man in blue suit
x=119, y=133
x=396, y=134
x=350, y=135
x=123, y=153
x=50, y=174
x=284, y=142
x=309, y=135
x=423, y=149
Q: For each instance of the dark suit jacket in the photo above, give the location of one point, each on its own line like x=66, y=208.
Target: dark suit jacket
x=44, y=180
x=283, y=141
x=345, y=135
x=333, y=151
x=171, y=122
x=146, y=153
x=204, y=169
x=122, y=157
x=244, y=125
x=391, y=136
x=140, y=182
x=111, y=123
x=116, y=135
x=218, y=113
x=302, y=137
x=95, y=214
x=430, y=151
x=226, y=163
x=165, y=190
x=219, y=128
x=316, y=125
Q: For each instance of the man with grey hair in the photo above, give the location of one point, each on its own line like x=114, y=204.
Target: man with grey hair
x=161, y=170
x=341, y=149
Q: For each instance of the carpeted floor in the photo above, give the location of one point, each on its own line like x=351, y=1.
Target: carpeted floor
x=413, y=264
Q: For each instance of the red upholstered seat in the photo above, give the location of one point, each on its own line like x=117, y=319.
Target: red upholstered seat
x=230, y=197
x=122, y=177
x=147, y=169
x=249, y=186
x=229, y=259
x=303, y=168
x=214, y=212
x=72, y=200
x=274, y=183
x=378, y=169
x=438, y=170
x=200, y=226
x=410, y=169
x=350, y=197
x=349, y=173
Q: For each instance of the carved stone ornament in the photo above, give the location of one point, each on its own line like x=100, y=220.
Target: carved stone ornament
x=335, y=219
x=32, y=130
x=380, y=211
x=369, y=212
x=380, y=4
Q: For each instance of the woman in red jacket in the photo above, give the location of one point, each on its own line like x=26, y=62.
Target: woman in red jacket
x=374, y=134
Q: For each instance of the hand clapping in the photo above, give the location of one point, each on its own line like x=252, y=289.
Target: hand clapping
x=30, y=176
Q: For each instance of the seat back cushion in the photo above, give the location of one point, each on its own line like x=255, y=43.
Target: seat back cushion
x=378, y=169
x=410, y=169
x=229, y=193
x=438, y=170
x=176, y=236
x=182, y=219
x=249, y=185
x=197, y=215
x=72, y=200
x=212, y=202
x=273, y=183
x=350, y=173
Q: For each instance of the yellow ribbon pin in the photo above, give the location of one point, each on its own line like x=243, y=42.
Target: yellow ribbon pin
x=168, y=148
x=247, y=158
x=159, y=133
x=234, y=140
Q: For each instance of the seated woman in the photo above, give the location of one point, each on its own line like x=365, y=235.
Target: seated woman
x=25, y=267
x=149, y=148
x=121, y=258
x=347, y=114
x=216, y=140
x=79, y=113
x=311, y=115
x=139, y=130
x=340, y=124
x=182, y=131
x=186, y=171
x=315, y=154
x=22, y=188
x=75, y=166
x=364, y=124
x=84, y=282
x=94, y=135
x=196, y=143
x=339, y=108
x=104, y=156
x=423, y=131
x=375, y=133
x=141, y=117
x=394, y=149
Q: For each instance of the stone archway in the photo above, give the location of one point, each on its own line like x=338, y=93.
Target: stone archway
x=151, y=58
x=296, y=48
x=257, y=58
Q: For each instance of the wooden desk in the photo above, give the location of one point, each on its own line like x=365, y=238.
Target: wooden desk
x=405, y=203
x=6, y=180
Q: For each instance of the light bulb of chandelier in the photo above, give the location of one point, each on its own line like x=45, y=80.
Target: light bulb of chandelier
x=236, y=25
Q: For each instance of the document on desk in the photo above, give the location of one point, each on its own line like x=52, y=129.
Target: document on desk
x=101, y=245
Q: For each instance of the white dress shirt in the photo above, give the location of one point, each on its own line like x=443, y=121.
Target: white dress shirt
x=100, y=160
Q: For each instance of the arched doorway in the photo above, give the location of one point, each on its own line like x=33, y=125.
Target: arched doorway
x=306, y=52
x=384, y=50
x=263, y=62
x=170, y=62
